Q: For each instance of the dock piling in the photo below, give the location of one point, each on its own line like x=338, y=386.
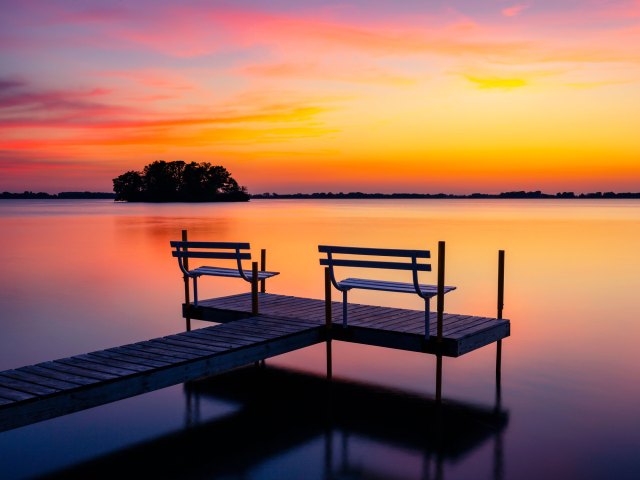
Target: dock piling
x=499, y=316
x=263, y=268
x=327, y=319
x=186, y=287
x=254, y=288
x=441, y=257
x=438, y=378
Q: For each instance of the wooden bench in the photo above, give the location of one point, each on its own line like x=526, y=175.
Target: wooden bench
x=424, y=291
x=220, y=251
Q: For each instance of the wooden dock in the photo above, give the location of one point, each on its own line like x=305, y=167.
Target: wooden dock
x=380, y=326
x=285, y=323
x=50, y=389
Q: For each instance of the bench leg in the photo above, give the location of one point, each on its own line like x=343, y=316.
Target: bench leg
x=195, y=291
x=344, y=309
x=427, y=317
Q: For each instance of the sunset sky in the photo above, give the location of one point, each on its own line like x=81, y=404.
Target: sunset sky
x=297, y=96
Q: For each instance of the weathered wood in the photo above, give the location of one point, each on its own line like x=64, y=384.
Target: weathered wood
x=95, y=367
x=137, y=367
x=216, y=339
x=187, y=344
x=151, y=355
x=172, y=347
x=54, y=374
x=15, y=395
x=225, y=336
x=26, y=387
x=19, y=408
x=164, y=352
x=39, y=380
x=82, y=372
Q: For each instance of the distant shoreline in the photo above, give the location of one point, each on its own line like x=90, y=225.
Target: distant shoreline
x=347, y=196
x=436, y=196
x=57, y=196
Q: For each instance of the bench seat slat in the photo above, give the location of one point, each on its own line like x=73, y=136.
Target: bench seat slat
x=230, y=245
x=229, y=272
x=375, y=264
x=381, y=252
x=387, y=286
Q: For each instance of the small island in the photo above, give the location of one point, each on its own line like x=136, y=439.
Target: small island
x=179, y=181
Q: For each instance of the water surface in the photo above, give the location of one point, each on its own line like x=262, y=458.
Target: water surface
x=79, y=276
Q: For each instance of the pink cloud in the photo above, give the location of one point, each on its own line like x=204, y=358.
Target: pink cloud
x=514, y=10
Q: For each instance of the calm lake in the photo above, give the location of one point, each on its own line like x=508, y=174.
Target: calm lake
x=78, y=276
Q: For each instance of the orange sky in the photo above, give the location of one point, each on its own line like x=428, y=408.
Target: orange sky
x=313, y=96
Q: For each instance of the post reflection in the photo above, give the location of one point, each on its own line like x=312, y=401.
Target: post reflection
x=312, y=427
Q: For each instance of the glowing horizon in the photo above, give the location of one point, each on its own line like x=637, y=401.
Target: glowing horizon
x=320, y=96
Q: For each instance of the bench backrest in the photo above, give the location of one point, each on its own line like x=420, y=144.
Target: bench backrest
x=214, y=250
x=413, y=265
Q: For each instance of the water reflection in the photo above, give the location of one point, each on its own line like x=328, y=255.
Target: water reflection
x=290, y=424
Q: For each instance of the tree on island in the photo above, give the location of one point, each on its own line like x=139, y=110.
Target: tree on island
x=178, y=181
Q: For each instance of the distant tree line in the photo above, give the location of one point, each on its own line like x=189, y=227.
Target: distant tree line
x=340, y=195
x=517, y=194
x=179, y=181
x=61, y=195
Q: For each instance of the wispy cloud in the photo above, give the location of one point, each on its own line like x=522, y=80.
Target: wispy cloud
x=497, y=82
x=515, y=10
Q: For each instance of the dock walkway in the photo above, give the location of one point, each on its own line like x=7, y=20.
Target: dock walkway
x=50, y=389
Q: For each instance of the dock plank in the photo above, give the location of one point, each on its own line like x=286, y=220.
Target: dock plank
x=11, y=394
x=109, y=360
x=39, y=380
x=26, y=387
x=97, y=367
x=54, y=374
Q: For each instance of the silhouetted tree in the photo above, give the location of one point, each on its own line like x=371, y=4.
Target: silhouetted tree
x=178, y=181
x=128, y=186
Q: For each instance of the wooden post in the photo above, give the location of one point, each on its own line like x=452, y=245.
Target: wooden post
x=328, y=320
x=438, y=378
x=187, y=295
x=263, y=268
x=254, y=288
x=441, y=255
x=327, y=298
x=500, y=307
x=440, y=302
x=500, y=282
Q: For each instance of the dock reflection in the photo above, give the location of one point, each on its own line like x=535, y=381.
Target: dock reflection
x=281, y=413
